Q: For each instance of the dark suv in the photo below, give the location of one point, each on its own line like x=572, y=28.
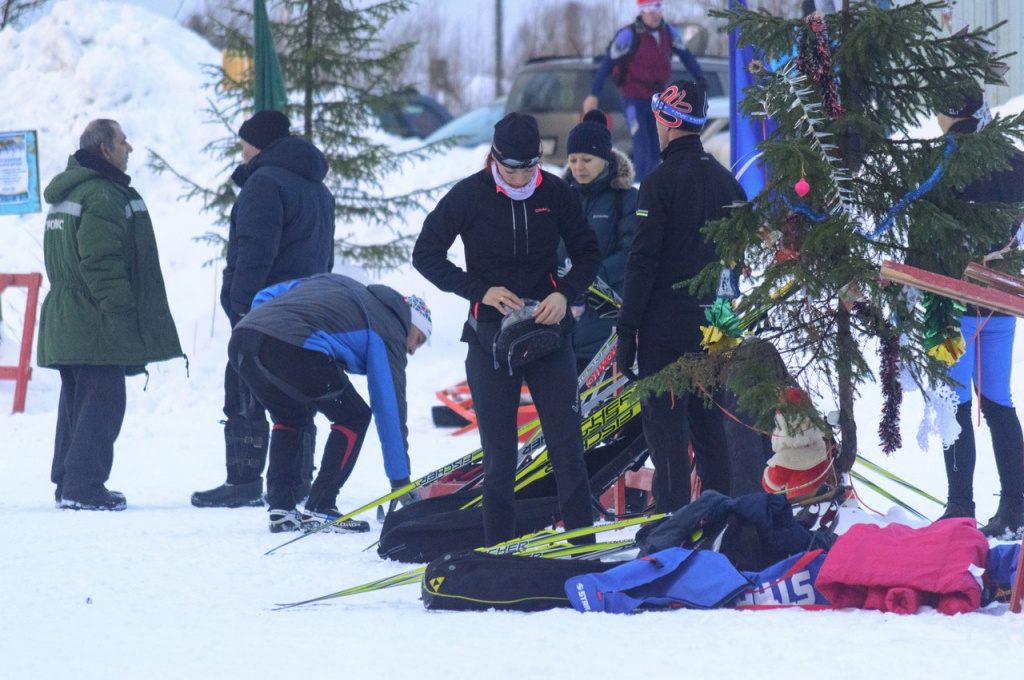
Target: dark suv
x=552, y=89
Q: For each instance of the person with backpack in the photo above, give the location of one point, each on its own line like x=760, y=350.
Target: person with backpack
x=511, y=216
x=602, y=177
x=639, y=59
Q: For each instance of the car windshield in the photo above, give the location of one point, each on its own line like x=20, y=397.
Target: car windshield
x=547, y=92
x=473, y=128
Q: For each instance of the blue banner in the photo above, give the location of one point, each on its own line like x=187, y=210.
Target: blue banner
x=19, y=173
x=744, y=133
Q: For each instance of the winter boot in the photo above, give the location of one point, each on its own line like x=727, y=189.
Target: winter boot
x=1008, y=447
x=246, y=446
x=958, y=507
x=308, y=437
x=285, y=520
x=1008, y=522
x=285, y=462
x=93, y=499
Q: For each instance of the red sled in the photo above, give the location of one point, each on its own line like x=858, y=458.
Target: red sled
x=460, y=402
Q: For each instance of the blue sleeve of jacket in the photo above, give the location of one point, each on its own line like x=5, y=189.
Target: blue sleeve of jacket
x=385, y=380
x=679, y=47
x=604, y=69
x=613, y=268
x=430, y=254
x=620, y=45
x=260, y=219
x=691, y=64
x=272, y=292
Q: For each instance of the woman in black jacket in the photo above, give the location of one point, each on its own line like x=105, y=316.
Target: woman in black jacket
x=511, y=216
x=603, y=179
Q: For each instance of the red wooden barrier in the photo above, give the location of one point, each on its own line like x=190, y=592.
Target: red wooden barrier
x=22, y=372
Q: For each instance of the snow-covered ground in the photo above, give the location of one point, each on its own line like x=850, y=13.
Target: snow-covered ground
x=164, y=590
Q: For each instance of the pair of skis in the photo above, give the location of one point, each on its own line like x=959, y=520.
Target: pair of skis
x=547, y=543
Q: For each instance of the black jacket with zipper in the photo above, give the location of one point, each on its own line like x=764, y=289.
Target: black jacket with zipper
x=689, y=189
x=507, y=242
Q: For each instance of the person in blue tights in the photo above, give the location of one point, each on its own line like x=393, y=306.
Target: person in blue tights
x=985, y=370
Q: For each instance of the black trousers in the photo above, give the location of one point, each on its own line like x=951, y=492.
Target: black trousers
x=293, y=384
x=89, y=418
x=673, y=421
x=496, y=394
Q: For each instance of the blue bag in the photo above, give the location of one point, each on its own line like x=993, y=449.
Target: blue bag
x=700, y=579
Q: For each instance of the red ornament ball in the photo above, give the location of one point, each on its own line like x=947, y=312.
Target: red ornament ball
x=802, y=187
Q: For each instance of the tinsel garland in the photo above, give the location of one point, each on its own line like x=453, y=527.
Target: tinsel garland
x=892, y=389
x=815, y=61
x=723, y=329
x=942, y=337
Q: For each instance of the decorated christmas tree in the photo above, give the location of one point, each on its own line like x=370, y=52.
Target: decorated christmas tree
x=848, y=186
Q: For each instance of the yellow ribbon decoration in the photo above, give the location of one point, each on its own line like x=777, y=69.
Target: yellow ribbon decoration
x=714, y=340
x=949, y=350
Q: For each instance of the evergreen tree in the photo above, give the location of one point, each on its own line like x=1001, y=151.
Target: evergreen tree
x=847, y=188
x=338, y=73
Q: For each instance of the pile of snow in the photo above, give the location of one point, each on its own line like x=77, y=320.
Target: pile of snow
x=164, y=590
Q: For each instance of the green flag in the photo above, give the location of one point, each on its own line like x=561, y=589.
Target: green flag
x=269, y=94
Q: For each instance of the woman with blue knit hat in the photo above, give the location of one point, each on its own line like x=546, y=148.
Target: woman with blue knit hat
x=511, y=217
x=603, y=179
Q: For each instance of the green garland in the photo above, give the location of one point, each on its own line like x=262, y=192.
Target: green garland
x=942, y=337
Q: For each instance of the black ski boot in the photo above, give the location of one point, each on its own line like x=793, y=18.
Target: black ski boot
x=1008, y=447
x=308, y=437
x=246, y=442
x=98, y=498
x=958, y=507
x=1008, y=522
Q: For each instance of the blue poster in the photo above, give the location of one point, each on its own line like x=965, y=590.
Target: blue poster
x=19, y=173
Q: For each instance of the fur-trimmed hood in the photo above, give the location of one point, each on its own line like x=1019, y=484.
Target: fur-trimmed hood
x=622, y=179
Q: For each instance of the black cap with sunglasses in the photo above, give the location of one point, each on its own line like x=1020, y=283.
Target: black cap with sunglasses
x=516, y=142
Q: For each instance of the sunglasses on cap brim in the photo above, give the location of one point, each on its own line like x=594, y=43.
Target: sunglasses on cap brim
x=670, y=116
x=513, y=163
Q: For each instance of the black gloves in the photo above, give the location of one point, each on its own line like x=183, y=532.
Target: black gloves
x=406, y=498
x=625, y=352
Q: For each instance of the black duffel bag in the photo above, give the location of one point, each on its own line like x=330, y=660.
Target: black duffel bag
x=475, y=581
x=432, y=527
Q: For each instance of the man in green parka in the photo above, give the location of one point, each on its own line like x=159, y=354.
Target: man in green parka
x=106, y=313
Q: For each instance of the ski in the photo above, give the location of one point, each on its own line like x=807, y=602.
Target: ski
x=885, y=494
x=902, y=482
x=601, y=424
x=547, y=542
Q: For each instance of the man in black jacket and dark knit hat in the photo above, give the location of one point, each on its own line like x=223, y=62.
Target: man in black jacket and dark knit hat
x=282, y=228
x=662, y=323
